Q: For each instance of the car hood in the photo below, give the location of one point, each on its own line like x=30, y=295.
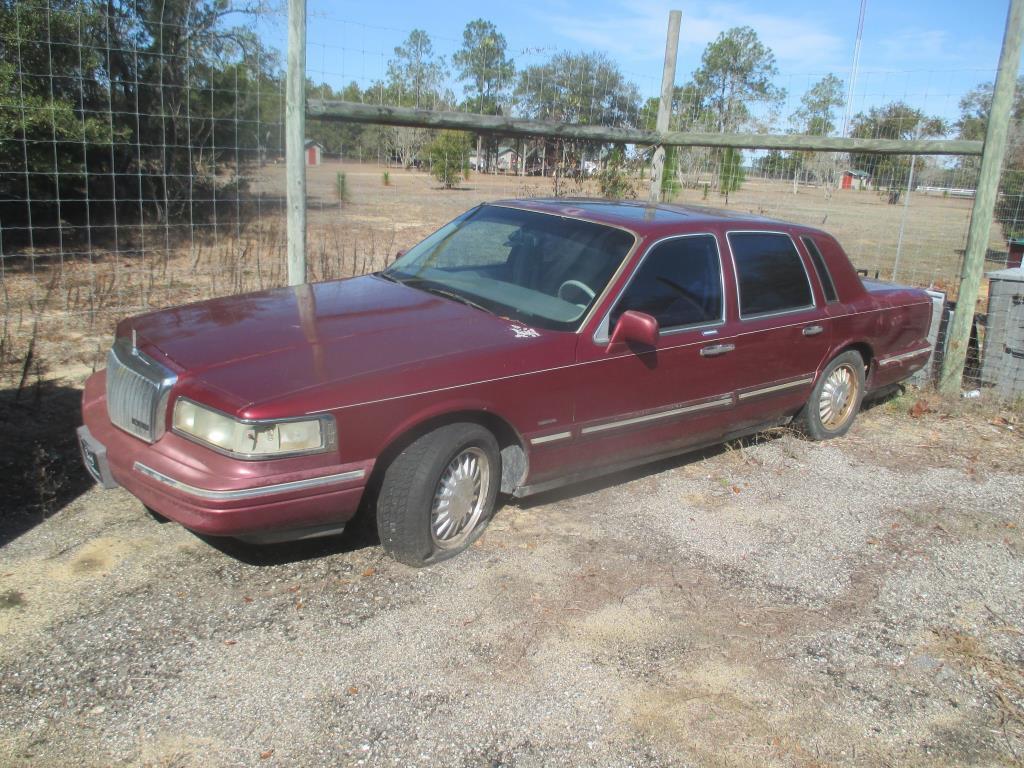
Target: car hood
x=260, y=347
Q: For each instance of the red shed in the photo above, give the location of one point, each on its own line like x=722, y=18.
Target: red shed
x=313, y=152
x=855, y=179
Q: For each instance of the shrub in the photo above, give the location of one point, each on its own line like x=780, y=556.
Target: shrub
x=730, y=173
x=613, y=180
x=449, y=157
x=670, y=186
x=1009, y=209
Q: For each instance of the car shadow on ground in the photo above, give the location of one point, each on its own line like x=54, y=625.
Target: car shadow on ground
x=40, y=463
x=601, y=482
x=360, y=533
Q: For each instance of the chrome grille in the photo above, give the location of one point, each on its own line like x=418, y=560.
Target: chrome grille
x=137, y=391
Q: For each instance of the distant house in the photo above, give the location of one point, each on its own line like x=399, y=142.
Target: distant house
x=855, y=179
x=506, y=159
x=314, y=152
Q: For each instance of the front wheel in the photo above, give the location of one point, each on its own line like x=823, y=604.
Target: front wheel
x=438, y=494
x=836, y=398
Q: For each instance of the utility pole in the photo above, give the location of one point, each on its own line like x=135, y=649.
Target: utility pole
x=295, y=140
x=668, y=80
x=959, y=331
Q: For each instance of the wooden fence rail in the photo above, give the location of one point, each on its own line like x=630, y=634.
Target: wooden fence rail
x=324, y=109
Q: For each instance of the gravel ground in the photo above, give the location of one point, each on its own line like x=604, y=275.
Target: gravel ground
x=779, y=603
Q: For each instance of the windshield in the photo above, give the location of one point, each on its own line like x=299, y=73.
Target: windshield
x=540, y=269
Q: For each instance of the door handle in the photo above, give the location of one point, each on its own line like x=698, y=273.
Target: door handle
x=812, y=330
x=713, y=350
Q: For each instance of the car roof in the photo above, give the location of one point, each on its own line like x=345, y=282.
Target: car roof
x=642, y=217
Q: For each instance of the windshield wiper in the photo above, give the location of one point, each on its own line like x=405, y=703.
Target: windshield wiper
x=387, y=276
x=429, y=287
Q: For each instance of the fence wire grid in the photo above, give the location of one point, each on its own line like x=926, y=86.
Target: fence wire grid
x=142, y=159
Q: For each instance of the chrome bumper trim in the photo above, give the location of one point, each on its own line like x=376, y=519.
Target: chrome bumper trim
x=247, y=493
x=776, y=388
x=905, y=356
x=716, y=403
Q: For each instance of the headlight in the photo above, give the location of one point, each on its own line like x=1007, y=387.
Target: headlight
x=253, y=440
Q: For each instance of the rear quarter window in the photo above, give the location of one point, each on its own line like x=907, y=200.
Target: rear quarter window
x=827, y=286
x=770, y=273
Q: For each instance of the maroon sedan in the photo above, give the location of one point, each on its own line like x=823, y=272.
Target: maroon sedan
x=524, y=345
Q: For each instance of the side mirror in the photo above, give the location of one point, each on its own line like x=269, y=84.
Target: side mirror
x=400, y=253
x=635, y=328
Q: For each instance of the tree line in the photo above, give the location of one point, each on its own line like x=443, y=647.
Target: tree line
x=116, y=113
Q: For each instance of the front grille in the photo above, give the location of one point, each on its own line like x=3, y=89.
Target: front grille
x=137, y=391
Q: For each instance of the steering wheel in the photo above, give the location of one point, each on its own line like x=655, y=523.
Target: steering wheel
x=689, y=298
x=577, y=285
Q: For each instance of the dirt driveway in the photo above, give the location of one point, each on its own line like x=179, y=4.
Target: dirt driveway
x=783, y=603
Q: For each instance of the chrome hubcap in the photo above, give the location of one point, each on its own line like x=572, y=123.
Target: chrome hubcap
x=460, y=498
x=838, y=396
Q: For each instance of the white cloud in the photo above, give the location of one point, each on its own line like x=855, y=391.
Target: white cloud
x=636, y=31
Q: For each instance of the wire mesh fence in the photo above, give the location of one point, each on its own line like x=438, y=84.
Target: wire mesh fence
x=142, y=155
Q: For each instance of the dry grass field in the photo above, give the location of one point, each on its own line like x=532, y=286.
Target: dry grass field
x=63, y=309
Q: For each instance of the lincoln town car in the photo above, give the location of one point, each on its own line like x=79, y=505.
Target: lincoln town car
x=524, y=345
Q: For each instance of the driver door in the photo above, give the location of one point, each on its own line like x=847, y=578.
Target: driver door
x=635, y=402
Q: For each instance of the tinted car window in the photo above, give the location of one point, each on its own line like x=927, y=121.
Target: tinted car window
x=819, y=266
x=679, y=283
x=770, y=273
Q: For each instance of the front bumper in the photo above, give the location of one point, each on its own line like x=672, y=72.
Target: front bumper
x=212, y=494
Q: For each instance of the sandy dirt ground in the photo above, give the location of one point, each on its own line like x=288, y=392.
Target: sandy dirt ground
x=775, y=603
x=858, y=602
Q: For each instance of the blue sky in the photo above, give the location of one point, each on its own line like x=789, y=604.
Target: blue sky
x=927, y=53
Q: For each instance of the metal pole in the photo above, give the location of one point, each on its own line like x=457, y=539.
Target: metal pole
x=959, y=332
x=668, y=79
x=903, y=218
x=856, y=66
x=295, y=140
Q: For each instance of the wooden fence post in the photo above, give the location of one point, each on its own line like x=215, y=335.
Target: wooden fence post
x=959, y=331
x=668, y=80
x=295, y=140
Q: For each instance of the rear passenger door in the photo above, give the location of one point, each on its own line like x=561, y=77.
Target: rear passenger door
x=782, y=334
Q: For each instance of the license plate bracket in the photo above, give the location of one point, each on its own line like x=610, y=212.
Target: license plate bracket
x=94, y=456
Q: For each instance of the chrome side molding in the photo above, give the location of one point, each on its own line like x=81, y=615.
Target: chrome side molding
x=718, y=402
x=892, y=359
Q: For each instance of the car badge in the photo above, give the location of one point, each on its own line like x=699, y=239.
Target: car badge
x=522, y=332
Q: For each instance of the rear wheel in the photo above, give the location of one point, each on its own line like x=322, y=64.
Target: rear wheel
x=438, y=494
x=836, y=398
